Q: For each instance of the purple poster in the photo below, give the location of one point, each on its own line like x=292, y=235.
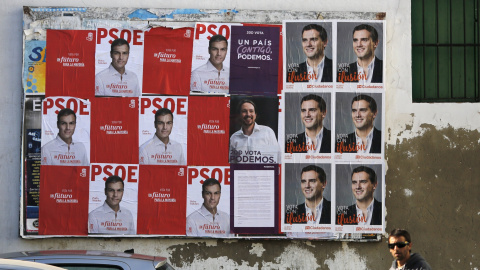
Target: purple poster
x=254, y=60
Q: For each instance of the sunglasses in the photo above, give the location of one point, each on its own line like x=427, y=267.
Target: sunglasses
x=398, y=244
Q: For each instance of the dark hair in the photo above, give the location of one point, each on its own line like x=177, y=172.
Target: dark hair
x=369, y=28
x=401, y=232
x=210, y=182
x=161, y=112
x=65, y=112
x=321, y=175
x=371, y=173
x=216, y=38
x=321, y=31
x=321, y=102
x=243, y=101
x=372, y=104
x=113, y=179
x=119, y=42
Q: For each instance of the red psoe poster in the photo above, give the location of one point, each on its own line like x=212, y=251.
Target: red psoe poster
x=63, y=200
x=162, y=200
x=208, y=126
x=70, y=63
x=114, y=128
x=113, y=198
x=167, y=60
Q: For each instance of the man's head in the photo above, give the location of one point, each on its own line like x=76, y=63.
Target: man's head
x=314, y=41
x=66, y=123
x=365, y=41
x=217, y=48
x=119, y=52
x=364, y=183
x=313, y=181
x=114, y=191
x=248, y=112
x=313, y=110
x=364, y=111
x=211, y=191
x=163, y=124
x=400, y=245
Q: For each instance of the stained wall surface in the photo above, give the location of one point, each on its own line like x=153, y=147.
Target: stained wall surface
x=432, y=178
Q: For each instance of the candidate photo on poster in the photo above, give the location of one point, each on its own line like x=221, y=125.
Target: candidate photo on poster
x=111, y=217
x=308, y=193
x=117, y=80
x=309, y=52
x=63, y=150
x=360, y=52
x=359, y=194
x=254, y=130
x=208, y=220
x=213, y=76
x=359, y=123
x=162, y=149
x=211, y=59
x=163, y=130
x=308, y=122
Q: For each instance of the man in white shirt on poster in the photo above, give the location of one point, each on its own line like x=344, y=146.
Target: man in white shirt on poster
x=116, y=80
x=212, y=77
x=253, y=143
x=63, y=151
x=208, y=220
x=110, y=218
x=161, y=149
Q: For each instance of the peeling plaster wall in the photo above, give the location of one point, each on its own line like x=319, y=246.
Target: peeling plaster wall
x=432, y=149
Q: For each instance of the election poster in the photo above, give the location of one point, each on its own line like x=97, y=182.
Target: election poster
x=360, y=54
x=32, y=129
x=254, y=130
x=208, y=202
x=360, y=198
x=163, y=130
x=113, y=199
x=280, y=53
x=308, y=125
x=115, y=130
x=309, y=54
x=65, y=131
x=254, y=60
x=162, y=200
x=358, y=125
x=167, y=60
x=63, y=200
x=70, y=63
x=34, y=66
x=119, y=62
x=308, y=197
x=211, y=58
x=254, y=198
x=208, y=130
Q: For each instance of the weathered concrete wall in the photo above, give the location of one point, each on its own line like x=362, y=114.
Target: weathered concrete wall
x=433, y=185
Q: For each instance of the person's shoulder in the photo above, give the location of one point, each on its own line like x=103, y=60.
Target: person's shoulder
x=131, y=72
x=237, y=133
x=50, y=144
x=194, y=215
x=265, y=128
x=223, y=214
x=146, y=144
x=173, y=142
x=200, y=68
x=126, y=211
x=96, y=211
x=103, y=72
